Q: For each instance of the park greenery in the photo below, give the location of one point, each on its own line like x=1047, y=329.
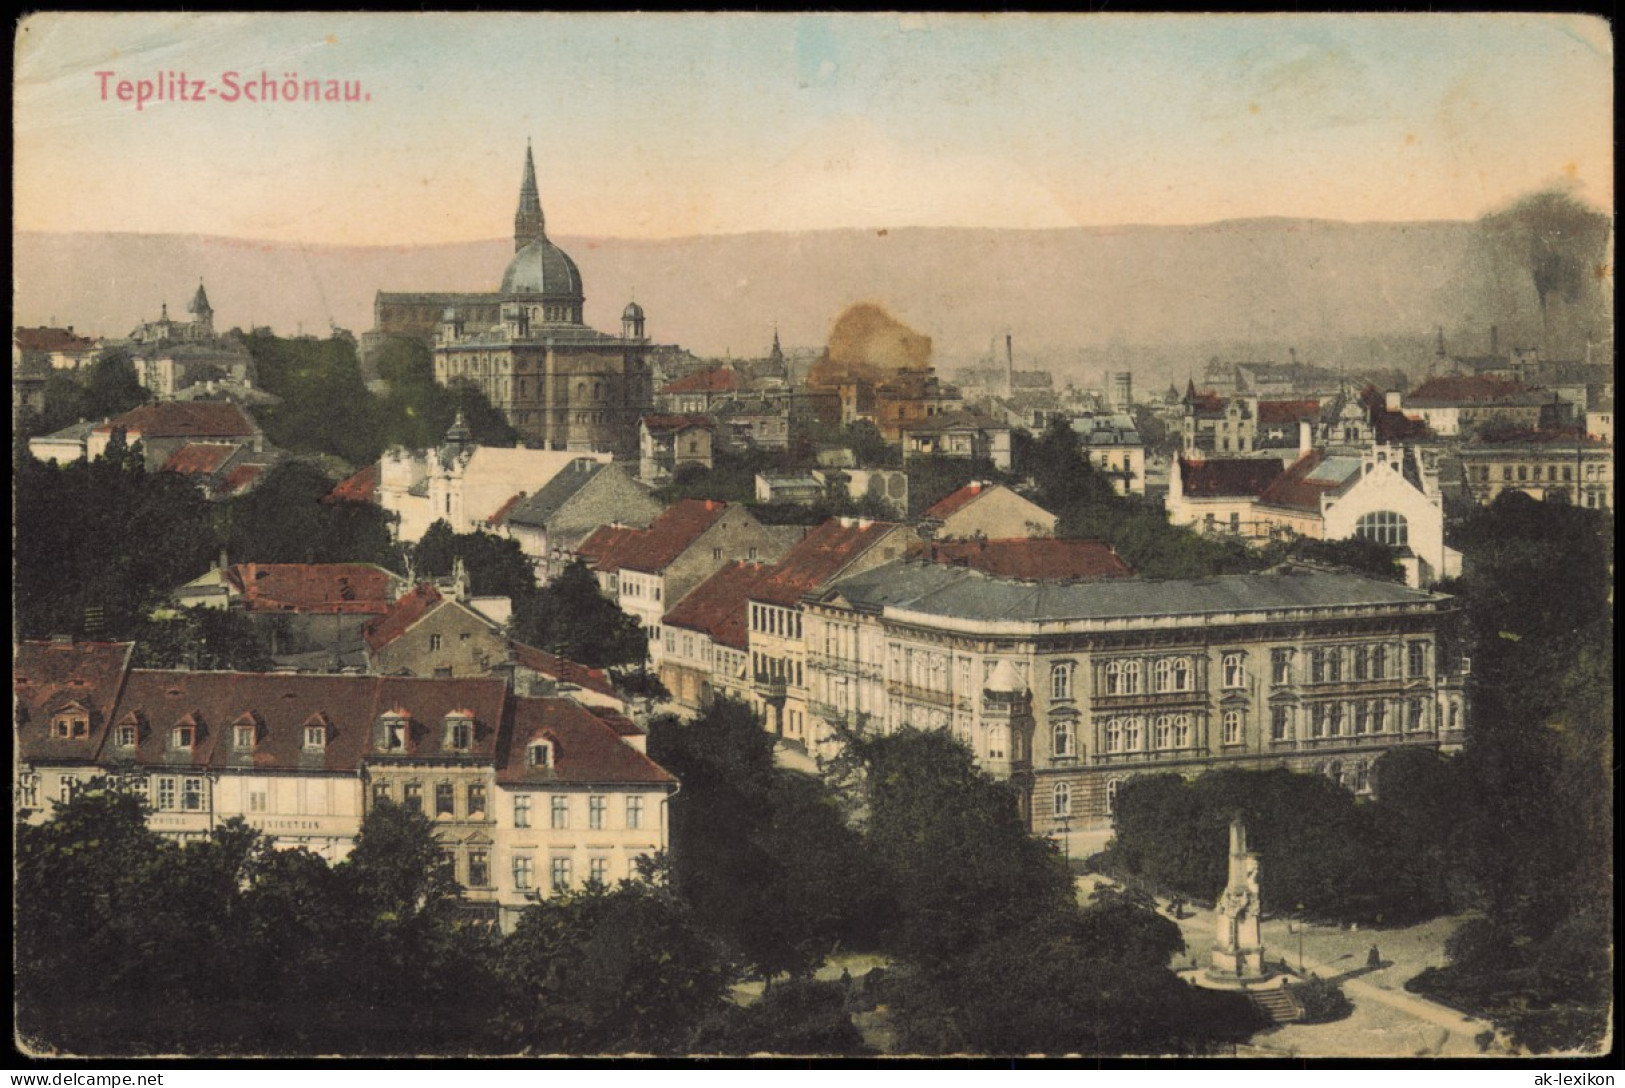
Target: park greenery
x=1515, y=830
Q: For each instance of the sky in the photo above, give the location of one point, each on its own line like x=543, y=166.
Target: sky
x=662, y=126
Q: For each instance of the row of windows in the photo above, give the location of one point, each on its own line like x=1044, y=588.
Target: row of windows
x=1167, y=732
x=775, y=670
x=561, y=873
x=784, y=622
x=597, y=811
x=1332, y=664
x=1361, y=717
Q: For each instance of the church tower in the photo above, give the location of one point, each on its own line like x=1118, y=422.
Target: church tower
x=528, y=224
x=202, y=315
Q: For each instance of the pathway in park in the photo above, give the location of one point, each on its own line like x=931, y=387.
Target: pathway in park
x=1387, y=1019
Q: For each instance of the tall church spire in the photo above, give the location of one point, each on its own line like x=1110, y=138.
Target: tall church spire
x=528, y=224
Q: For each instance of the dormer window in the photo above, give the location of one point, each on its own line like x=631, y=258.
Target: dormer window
x=540, y=753
x=392, y=731
x=71, y=723
x=125, y=737
x=244, y=732
x=183, y=736
x=315, y=738
x=459, y=731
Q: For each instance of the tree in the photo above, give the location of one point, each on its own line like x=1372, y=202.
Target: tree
x=611, y=971
x=201, y=638
x=284, y=520
x=104, y=537
x=112, y=387
x=495, y=566
x=950, y=845
x=571, y=618
x=802, y=1016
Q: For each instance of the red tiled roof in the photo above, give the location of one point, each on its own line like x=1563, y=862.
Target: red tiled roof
x=958, y=500
x=1219, y=479
x=362, y=487
x=1294, y=490
x=602, y=542
x=504, y=510
x=184, y=419
x=402, y=616
x=282, y=705
x=563, y=669
x=666, y=538
x=719, y=379
x=1458, y=388
x=819, y=556
x=618, y=722
x=586, y=749
x=1288, y=411
x=1036, y=560
x=314, y=587
x=49, y=676
x=239, y=479
x=719, y=606
x=200, y=458
x=46, y=338
x=669, y=424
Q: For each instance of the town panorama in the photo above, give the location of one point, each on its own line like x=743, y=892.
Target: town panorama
x=485, y=682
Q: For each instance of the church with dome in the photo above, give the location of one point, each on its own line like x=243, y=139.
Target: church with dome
x=561, y=384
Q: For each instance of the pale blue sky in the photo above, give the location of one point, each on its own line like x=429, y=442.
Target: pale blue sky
x=670, y=125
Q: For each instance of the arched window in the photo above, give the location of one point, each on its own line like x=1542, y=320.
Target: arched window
x=1235, y=675
x=1181, y=674
x=1062, y=799
x=1111, y=794
x=1114, y=735
x=1163, y=732
x=1133, y=734
x=1114, y=678
x=1131, y=678
x=1162, y=675
x=1384, y=527
x=1232, y=727
x=1060, y=680
x=1182, y=731
x=1063, y=739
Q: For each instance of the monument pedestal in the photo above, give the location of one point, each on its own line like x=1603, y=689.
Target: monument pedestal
x=1237, y=958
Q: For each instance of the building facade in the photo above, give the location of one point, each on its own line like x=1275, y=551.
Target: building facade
x=1068, y=690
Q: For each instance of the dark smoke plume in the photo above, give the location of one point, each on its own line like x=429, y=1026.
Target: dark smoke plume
x=1563, y=246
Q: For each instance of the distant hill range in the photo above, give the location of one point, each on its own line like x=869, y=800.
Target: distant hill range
x=1069, y=297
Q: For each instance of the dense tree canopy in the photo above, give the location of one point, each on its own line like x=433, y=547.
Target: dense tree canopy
x=99, y=544
x=761, y=853
x=496, y=567
x=284, y=520
x=571, y=618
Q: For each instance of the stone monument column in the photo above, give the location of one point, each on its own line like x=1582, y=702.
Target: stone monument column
x=1238, y=952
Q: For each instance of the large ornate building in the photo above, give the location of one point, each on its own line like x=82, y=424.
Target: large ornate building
x=561, y=384
x=1068, y=689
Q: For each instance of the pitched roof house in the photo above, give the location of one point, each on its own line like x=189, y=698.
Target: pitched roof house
x=986, y=509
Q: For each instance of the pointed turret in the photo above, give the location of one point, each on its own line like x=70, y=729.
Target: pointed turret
x=528, y=224
x=200, y=302
x=777, y=355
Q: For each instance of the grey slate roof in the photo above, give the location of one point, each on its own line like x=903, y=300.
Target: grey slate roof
x=964, y=593
x=536, y=509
